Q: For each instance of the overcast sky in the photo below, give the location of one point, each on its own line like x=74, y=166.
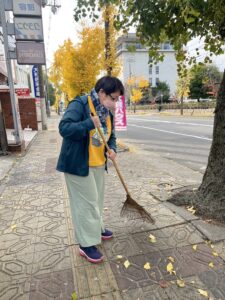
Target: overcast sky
x=62, y=26
x=58, y=27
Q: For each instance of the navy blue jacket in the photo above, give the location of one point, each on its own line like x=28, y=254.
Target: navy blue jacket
x=75, y=127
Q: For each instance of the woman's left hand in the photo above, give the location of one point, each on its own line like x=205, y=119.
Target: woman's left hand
x=111, y=154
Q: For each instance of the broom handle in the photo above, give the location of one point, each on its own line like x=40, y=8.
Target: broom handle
x=114, y=162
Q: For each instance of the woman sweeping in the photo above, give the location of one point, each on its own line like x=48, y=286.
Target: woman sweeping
x=83, y=159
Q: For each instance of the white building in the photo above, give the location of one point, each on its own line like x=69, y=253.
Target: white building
x=136, y=63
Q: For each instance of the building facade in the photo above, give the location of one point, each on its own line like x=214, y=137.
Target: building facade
x=135, y=61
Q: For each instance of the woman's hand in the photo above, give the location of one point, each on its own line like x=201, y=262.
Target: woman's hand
x=95, y=120
x=111, y=154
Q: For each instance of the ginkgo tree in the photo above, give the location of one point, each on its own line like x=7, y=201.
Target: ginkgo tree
x=135, y=88
x=179, y=22
x=75, y=68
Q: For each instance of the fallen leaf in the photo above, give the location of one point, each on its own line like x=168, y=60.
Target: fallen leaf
x=193, y=282
x=126, y=264
x=174, y=272
x=194, y=247
x=169, y=268
x=74, y=296
x=152, y=238
x=171, y=259
x=191, y=209
x=147, y=266
x=13, y=226
x=164, y=284
x=119, y=256
x=212, y=246
x=180, y=283
x=208, y=242
x=211, y=265
x=203, y=293
x=214, y=253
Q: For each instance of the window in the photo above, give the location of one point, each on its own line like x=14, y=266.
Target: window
x=157, y=81
x=157, y=69
x=150, y=81
x=150, y=70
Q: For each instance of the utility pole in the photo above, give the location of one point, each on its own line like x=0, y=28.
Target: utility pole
x=16, y=119
x=3, y=136
x=42, y=99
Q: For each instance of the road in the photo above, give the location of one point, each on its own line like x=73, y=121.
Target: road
x=186, y=140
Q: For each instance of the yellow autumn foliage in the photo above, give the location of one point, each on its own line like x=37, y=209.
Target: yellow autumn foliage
x=136, y=95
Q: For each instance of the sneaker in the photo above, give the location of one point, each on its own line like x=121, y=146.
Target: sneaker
x=107, y=234
x=91, y=254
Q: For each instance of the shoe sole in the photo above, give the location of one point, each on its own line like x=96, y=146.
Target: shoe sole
x=104, y=238
x=95, y=261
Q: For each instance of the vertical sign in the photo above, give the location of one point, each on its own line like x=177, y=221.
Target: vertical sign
x=120, y=114
x=36, y=81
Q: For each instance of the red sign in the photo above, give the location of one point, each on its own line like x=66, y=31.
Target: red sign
x=120, y=114
x=25, y=92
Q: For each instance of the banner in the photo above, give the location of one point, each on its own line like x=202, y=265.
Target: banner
x=120, y=114
x=35, y=76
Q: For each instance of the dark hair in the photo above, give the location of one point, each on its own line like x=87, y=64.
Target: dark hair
x=109, y=85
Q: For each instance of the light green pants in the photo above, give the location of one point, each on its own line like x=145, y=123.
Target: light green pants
x=86, y=196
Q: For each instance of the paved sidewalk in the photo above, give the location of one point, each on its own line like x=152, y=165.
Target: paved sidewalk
x=39, y=257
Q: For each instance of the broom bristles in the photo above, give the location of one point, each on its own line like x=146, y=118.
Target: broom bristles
x=131, y=209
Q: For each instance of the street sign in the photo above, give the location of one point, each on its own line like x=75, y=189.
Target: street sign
x=30, y=53
x=27, y=8
x=28, y=29
x=35, y=76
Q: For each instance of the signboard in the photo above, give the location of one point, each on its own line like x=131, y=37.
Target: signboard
x=120, y=114
x=28, y=29
x=25, y=92
x=35, y=76
x=27, y=8
x=30, y=53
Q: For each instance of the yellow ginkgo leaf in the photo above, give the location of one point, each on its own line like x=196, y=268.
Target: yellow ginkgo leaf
x=126, y=264
x=194, y=247
x=13, y=226
x=214, y=253
x=171, y=259
x=119, y=256
x=211, y=265
x=191, y=209
x=212, y=246
x=147, y=266
x=203, y=293
x=152, y=238
x=74, y=296
x=180, y=283
x=169, y=268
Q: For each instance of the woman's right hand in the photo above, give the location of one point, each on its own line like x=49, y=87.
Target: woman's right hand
x=95, y=120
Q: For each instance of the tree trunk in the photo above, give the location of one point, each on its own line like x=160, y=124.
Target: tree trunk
x=107, y=40
x=182, y=105
x=211, y=193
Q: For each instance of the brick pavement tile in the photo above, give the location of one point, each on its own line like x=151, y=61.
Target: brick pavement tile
x=54, y=285
x=220, y=249
x=107, y=296
x=51, y=260
x=214, y=280
x=190, y=291
x=16, y=266
x=187, y=263
x=15, y=289
x=95, y=279
x=153, y=292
